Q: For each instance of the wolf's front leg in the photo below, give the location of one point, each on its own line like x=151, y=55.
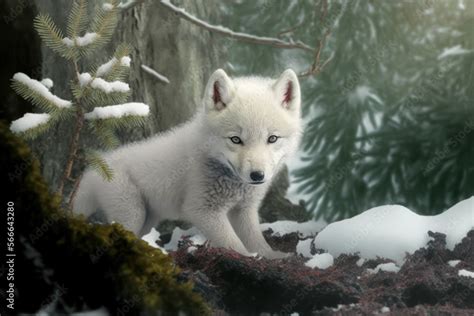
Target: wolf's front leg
x=215, y=226
x=244, y=219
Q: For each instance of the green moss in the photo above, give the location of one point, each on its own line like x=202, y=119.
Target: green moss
x=96, y=265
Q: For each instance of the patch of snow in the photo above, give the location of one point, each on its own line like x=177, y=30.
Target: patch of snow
x=360, y=262
x=155, y=74
x=39, y=88
x=461, y=5
x=125, y=61
x=320, y=261
x=453, y=263
x=48, y=83
x=29, y=121
x=385, y=309
x=110, y=87
x=195, y=236
x=105, y=68
x=387, y=267
x=192, y=249
x=304, y=247
x=107, y=6
x=151, y=239
x=453, y=51
x=305, y=229
x=391, y=231
x=84, y=79
x=466, y=273
x=81, y=41
x=118, y=111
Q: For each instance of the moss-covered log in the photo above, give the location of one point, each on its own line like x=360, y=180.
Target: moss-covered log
x=73, y=265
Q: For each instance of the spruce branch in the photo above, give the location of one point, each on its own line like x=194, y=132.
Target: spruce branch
x=104, y=23
x=105, y=134
x=77, y=21
x=52, y=36
x=98, y=163
x=43, y=100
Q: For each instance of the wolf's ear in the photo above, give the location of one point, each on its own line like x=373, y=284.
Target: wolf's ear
x=287, y=89
x=219, y=91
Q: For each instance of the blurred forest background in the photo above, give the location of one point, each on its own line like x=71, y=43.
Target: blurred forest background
x=387, y=87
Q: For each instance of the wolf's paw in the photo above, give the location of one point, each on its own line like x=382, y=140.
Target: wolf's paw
x=276, y=255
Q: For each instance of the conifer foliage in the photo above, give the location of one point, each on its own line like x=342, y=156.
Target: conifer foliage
x=100, y=96
x=390, y=119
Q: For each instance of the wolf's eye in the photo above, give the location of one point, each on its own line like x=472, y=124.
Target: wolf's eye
x=236, y=140
x=272, y=139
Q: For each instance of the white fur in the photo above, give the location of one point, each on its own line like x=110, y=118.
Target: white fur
x=196, y=173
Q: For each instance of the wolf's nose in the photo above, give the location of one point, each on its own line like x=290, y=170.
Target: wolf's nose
x=257, y=175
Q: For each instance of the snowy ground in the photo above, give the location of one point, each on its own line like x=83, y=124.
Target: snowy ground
x=387, y=258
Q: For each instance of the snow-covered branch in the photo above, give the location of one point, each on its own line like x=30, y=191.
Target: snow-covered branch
x=155, y=74
x=34, y=86
x=85, y=40
x=29, y=121
x=105, y=68
x=244, y=37
x=105, y=86
x=118, y=111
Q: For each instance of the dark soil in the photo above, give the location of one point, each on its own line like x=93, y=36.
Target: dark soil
x=425, y=284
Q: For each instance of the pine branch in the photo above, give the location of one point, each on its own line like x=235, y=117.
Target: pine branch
x=128, y=121
x=39, y=96
x=118, y=66
x=104, y=23
x=32, y=125
x=98, y=163
x=105, y=134
x=77, y=21
x=52, y=36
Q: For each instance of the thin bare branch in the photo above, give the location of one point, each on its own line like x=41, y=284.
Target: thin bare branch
x=244, y=37
x=317, y=66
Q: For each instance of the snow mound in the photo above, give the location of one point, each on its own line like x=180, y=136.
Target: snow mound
x=304, y=247
x=118, y=111
x=309, y=228
x=392, y=231
x=387, y=267
x=453, y=263
x=466, y=273
x=29, y=121
x=320, y=261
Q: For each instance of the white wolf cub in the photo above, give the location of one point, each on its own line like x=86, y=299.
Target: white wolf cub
x=212, y=171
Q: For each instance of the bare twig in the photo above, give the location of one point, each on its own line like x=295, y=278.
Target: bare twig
x=155, y=74
x=317, y=66
x=244, y=37
x=289, y=30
